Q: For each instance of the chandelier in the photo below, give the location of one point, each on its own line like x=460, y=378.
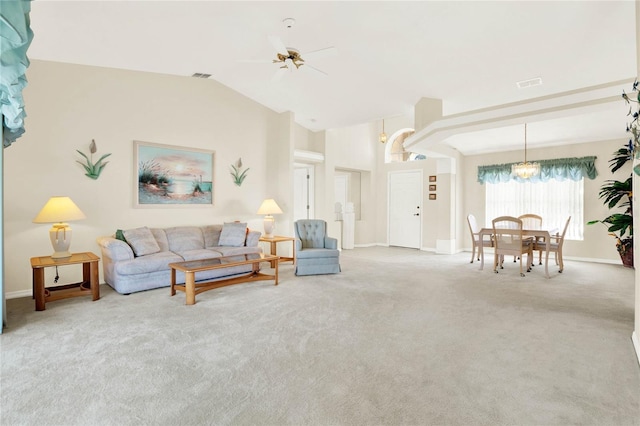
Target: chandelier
x=525, y=170
x=383, y=136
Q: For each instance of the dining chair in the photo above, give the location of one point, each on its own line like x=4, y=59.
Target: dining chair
x=508, y=240
x=533, y=221
x=476, y=240
x=555, y=245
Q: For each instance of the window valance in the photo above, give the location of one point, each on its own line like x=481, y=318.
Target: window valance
x=15, y=36
x=559, y=169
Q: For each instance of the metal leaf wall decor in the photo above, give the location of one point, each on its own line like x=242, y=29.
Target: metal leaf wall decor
x=237, y=174
x=93, y=169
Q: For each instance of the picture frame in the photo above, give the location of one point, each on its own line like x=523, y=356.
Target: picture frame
x=432, y=178
x=172, y=176
x=432, y=187
x=432, y=196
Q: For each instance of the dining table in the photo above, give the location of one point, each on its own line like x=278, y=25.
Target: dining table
x=535, y=233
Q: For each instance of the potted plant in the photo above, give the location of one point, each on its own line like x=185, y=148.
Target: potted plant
x=618, y=194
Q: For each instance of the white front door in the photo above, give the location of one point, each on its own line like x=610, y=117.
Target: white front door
x=405, y=208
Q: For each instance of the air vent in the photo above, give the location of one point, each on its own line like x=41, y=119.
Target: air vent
x=529, y=83
x=201, y=75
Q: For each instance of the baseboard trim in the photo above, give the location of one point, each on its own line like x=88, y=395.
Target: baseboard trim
x=636, y=344
x=489, y=250
x=18, y=294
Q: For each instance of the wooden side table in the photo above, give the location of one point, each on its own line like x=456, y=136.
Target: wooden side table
x=89, y=286
x=274, y=241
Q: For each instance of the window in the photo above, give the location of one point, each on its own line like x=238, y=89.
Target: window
x=395, y=151
x=554, y=200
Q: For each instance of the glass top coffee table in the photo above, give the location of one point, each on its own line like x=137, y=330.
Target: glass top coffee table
x=191, y=267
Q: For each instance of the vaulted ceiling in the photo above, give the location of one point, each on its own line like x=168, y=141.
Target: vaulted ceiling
x=389, y=55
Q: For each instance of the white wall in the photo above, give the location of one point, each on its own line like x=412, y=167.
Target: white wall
x=68, y=105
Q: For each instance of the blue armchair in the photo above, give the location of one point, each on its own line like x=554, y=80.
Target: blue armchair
x=316, y=253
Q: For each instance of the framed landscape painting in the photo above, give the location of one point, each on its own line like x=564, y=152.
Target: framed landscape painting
x=167, y=175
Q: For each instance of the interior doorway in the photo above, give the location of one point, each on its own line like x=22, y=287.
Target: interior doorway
x=303, y=195
x=405, y=208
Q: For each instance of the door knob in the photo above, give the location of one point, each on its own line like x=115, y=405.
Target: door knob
x=416, y=214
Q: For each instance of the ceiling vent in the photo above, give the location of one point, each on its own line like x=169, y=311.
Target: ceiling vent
x=201, y=75
x=529, y=83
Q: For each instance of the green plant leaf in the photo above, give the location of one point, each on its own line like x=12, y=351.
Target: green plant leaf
x=82, y=153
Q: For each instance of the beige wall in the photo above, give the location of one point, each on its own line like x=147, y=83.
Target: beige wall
x=597, y=245
x=68, y=105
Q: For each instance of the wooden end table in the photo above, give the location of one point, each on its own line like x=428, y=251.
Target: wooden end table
x=278, y=239
x=89, y=286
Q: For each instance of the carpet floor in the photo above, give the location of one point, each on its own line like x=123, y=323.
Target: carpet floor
x=400, y=337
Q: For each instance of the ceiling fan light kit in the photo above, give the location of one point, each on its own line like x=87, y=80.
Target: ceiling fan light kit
x=289, y=58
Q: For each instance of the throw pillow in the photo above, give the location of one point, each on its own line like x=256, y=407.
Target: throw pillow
x=141, y=241
x=233, y=234
x=120, y=235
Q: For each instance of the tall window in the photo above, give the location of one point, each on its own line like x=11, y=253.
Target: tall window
x=554, y=200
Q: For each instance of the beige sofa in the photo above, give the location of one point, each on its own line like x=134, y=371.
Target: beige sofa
x=138, y=259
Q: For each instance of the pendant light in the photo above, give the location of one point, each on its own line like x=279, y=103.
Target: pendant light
x=525, y=170
x=383, y=136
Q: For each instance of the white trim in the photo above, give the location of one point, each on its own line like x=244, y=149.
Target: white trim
x=489, y=250
x=446, y=246
x=580, y=101
x=19, y=294
x=636, y=345
x=308, y=156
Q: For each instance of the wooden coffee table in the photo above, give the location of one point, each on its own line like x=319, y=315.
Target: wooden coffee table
x=191, y=267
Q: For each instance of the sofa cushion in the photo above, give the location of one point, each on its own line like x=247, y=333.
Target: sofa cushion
x=141, y=241
x=183, y=238
x=233, y=234
x=161, y=238
x=211, y=235
x=150, y=263
x=316, y=253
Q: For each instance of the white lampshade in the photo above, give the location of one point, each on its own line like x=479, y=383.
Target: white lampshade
x=59, y=210
x=269, y=207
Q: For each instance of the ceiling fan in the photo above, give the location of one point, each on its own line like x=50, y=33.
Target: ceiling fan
x=291, y=59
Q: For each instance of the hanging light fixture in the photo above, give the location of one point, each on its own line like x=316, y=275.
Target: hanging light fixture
x=383, y=136
x=525, y=170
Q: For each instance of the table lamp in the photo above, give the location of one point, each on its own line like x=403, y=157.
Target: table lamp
x=269, y=207
x=59, y=210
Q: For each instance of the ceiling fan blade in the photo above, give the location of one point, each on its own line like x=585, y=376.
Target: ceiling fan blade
x=256, y=61
x=317, y=54
x=279, y=73
x=313, y=70
x=277, y=44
